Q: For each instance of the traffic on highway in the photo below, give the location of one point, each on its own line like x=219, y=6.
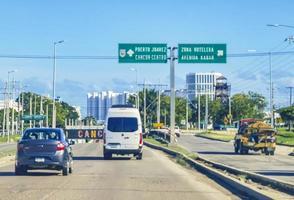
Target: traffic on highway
x=147, y=100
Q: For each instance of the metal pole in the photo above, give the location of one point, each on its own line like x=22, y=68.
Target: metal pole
x=54, y=78
x=47, y=116
x=8, y=107
x=290, y=90
x=158, y=107
x=199, y=109
x=172, y=94
x=41, y=111
x=230, y=111
x=22, y=110
x=35, y=109
x=4, y=110
x=187, y=109
x=31, y=109
x=206, y=111
x=144, y=106
x=271, y=96
x=12, y=97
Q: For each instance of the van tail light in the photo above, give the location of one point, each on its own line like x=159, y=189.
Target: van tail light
x=141, y=139
x=60, y=146
x=20, y=147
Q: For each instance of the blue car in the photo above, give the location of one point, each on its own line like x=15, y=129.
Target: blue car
x=43, y=148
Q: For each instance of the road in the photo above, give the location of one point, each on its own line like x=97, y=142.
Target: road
x=5, y=146
x=154, y=177
x=278, y=166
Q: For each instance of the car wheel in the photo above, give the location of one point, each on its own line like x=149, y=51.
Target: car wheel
x=20, y=170
x=71, y=167
x=65, y=169
x=107, y=156
x=139, y=156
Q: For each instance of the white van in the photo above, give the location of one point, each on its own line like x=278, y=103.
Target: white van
x=123, y=132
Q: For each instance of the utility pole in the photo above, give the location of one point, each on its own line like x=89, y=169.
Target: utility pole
x=22, y=111
x=271, y=90
x=35, y=109
x=41, y=111
x=4, y=110
x=230, y=111
x=187, y=109
x=47, y=120
x=145, y=101
x=158, y=107
x=8, y=107
x=199, y=108
x=172, y=93
x=12, y=97
x=144, y=89
x=31, y=105
x=290, y=90
x=206, y=111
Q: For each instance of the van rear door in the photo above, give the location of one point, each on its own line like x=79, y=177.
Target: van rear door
x=123, y=131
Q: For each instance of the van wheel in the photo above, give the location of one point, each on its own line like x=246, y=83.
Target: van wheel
x=139, y=156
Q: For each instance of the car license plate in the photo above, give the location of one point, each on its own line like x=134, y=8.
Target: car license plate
x=115, y=146
x=39, y=160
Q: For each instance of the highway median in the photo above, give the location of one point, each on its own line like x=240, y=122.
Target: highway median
x=249, y=184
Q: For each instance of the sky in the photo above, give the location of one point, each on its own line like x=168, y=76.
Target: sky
x=94, y=28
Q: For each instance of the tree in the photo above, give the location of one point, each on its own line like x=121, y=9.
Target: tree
x=287, y=114
x=249, y=105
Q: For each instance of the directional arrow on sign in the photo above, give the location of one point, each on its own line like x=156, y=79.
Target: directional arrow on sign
x=130, y=52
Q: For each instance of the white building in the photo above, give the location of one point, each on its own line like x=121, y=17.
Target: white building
x=201, y=84
x=98, y=103
x=12, y=104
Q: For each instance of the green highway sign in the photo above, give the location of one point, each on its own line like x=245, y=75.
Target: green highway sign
x=33, y=117
x=202, y=53
x=142, y=53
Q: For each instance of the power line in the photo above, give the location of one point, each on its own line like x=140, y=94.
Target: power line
x=233, y=55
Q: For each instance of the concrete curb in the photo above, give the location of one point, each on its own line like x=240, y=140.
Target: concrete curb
x=277, y=184
x=212, y=138
x=216, y=175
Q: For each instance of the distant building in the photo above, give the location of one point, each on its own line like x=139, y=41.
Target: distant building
x=78, y=110
x=222, y=89
x=12, y=104
x=201, y=84
x=98, y=103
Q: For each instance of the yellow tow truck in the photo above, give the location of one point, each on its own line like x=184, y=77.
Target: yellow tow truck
x=255, y=135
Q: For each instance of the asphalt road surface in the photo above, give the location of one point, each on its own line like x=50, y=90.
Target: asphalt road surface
x=4, y=146
x=154, y=177
x=278, y=166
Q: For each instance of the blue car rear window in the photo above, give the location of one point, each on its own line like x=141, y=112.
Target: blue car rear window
x=41, y=135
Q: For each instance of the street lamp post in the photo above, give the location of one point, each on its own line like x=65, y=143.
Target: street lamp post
x=54, y=80
x=270, y=70
x=8, y=105
x=138, y=99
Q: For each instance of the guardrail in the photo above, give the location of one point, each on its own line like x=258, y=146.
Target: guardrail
x=231, y=182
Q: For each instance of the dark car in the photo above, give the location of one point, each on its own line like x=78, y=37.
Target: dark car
x=43, y=148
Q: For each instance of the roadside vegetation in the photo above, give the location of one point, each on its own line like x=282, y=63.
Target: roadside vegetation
x=12, y=138
x=173, y=147
x=217, y=135
x=284, y=136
